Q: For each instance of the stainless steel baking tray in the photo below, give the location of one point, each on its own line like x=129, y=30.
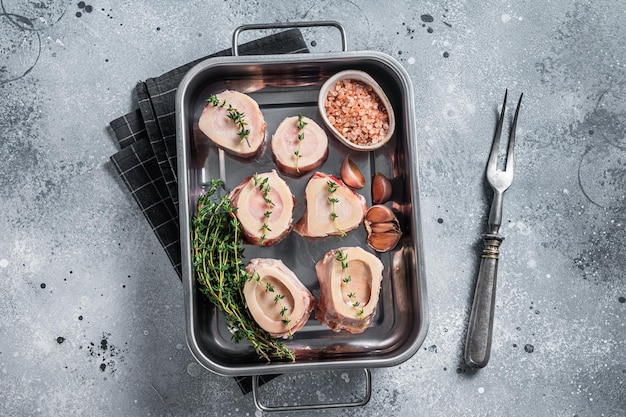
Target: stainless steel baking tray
x=285, y=85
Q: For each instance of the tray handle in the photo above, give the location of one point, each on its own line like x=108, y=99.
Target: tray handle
x=286, y=25
x=359, y=403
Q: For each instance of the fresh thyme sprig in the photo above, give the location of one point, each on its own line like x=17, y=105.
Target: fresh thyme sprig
x=235, y=116
x=332, y=188
x=264, y=187
x=343, y=258
x=217, y=258
x=301, y=124
x=278, y=299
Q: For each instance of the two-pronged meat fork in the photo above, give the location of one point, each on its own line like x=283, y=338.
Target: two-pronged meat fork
x=479, y=332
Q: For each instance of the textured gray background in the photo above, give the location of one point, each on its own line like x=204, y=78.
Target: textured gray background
x=91, y=319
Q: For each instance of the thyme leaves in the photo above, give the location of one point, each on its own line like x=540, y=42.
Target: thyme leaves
x=331, y=187
x=217, y=258
x=278, y=300
x=264, y=187
x=301, y=124
x=234, y=115
x=342, y=257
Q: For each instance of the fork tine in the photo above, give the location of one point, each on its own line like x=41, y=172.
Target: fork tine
x=509, y=155
x=492, y=164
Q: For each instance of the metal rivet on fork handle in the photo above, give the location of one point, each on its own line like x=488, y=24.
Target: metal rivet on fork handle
x=480, y=328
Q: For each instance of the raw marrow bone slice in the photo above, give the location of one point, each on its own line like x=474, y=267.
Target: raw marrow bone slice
x=336, y=308
x=251, y=209
x=295, y=298
x=313, y=147
x=222, y=131
x=317, y=220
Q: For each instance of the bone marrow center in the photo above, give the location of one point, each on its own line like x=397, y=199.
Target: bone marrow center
x=257, y=206
x=360, y=283
x=266, y=299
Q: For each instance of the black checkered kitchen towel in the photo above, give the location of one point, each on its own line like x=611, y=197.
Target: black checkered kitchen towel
x=146, y=161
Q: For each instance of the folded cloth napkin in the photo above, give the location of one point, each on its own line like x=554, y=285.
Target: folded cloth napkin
x=146, y=161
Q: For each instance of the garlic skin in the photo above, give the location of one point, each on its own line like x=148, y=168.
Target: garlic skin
x=383, y=228
x=381, y=189
x=351, y=174
x=380, y=214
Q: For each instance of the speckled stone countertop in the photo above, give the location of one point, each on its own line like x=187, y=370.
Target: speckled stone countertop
x=91, y=312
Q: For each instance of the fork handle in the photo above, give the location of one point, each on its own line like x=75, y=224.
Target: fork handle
x=480, y=328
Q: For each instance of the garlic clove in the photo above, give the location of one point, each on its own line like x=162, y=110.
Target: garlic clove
x=351, y=174
x=384, y=227
x=383, y=242
x=381, y=189
x=380, y=214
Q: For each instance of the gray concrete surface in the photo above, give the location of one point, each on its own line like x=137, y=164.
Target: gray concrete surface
x=91, y=319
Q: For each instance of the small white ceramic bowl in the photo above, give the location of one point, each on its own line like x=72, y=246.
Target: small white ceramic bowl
x=366, y=79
